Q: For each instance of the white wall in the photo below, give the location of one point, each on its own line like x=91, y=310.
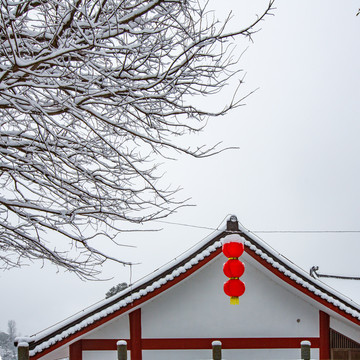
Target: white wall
x=116, y=329
x=101, y=355
x=197, y=307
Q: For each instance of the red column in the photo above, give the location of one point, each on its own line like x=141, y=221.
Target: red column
x=135, y=334
x=75, y=352
x=324, y=320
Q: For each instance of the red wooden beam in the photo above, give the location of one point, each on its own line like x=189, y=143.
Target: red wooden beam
x=204, y=343
x=324, y=325
x=102, y=344
x=75, y=351
x=135, y=334
x=227, y=343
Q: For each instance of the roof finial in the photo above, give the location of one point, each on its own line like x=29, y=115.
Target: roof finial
x=232, y=224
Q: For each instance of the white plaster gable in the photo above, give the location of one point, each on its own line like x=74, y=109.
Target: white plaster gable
x=61, y=353
x=103, y=355
x=198, y=307
x=114, y=329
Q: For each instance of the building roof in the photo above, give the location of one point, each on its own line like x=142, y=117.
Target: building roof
x=179, y=269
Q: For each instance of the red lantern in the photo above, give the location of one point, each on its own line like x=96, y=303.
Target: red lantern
x=234, y=288
x=233, y=249
x=233, y=268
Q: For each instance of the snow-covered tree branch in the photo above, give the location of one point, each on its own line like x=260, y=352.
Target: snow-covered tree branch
x=92, y=93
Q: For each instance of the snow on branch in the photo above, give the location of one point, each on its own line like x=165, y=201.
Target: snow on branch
x=92, y=93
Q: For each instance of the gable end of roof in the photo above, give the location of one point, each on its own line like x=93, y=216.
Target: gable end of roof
x=164, y=278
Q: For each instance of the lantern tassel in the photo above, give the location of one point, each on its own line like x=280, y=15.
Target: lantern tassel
x=234, y=300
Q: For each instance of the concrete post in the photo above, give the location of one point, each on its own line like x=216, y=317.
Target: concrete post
x=305, y=350
x=121, y=350
x=23, y=351
x=216, y=350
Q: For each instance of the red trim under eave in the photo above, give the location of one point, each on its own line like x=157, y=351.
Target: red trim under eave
x=297, y=286
x=134, y=304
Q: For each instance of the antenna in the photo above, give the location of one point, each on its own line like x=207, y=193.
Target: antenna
x=314, y=273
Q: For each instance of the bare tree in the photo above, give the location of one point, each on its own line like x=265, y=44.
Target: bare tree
x=92, y=93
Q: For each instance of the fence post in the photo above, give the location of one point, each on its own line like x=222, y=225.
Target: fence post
x=23, y=351
x=216, y=350
x=121, y=350
x=305, y=350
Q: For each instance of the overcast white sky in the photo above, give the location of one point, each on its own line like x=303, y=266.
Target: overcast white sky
x=297, y=167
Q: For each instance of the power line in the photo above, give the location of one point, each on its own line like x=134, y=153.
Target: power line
x=268, y=231
x=188, y=225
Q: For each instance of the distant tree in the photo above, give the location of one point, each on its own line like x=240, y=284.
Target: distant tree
x=115, y=289
x=92, y=93
x=4, y=338
x=7, y=347
x=4, y=341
